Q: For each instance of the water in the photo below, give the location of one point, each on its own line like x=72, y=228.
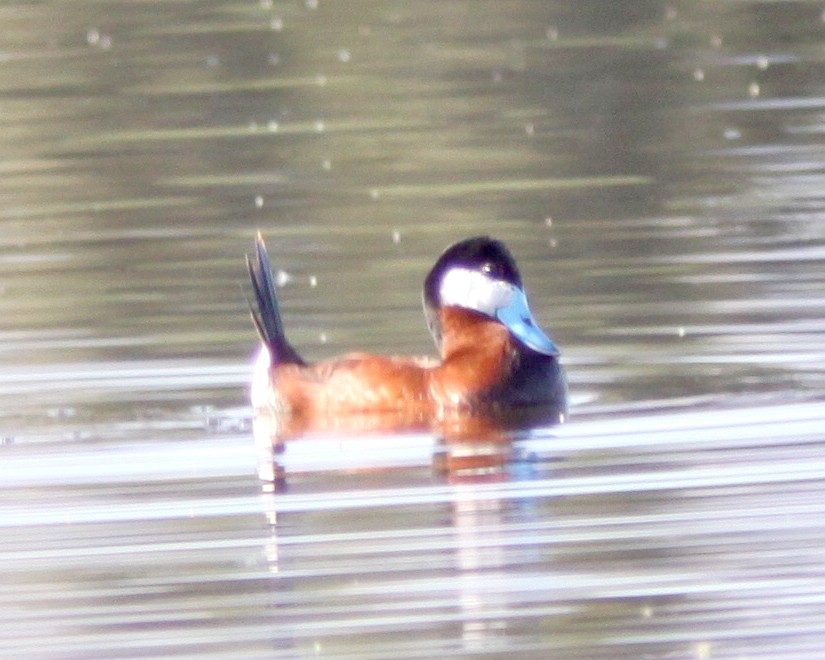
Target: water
x=656, y=169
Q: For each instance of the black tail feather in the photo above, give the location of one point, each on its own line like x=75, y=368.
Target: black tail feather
x=265, y=312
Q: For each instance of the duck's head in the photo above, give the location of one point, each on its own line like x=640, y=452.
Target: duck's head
x=480, y=275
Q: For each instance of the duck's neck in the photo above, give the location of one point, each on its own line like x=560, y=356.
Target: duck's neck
x=465, y=333
x=477, y=354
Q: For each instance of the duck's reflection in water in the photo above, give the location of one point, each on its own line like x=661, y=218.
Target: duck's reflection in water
x=460, y=549
x=459, y=445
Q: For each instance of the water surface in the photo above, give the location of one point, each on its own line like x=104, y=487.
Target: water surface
x=658, y=172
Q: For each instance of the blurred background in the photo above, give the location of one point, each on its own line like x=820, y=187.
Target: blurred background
x=656, y=167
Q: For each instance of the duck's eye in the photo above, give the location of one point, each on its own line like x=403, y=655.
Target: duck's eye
x=487, y=268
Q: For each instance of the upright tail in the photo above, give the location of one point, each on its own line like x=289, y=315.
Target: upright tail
x=265, y=313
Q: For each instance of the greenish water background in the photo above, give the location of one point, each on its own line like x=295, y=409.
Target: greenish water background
x=657, y=168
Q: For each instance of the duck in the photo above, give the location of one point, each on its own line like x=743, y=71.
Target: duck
x=493, y=356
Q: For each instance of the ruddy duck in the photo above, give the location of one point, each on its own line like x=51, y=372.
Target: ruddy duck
x=494, y=356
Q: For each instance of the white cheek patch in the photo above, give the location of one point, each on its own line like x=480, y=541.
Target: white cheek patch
x=471, y=289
